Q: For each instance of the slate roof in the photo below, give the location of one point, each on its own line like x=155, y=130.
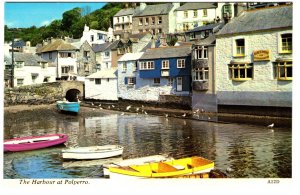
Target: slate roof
x=196, y=6
x=126, y=12
x=207, y=27
x=19, y=43
x=150, y=10
x=166, y=52
x=57, y=45
x=148, y=46
x=107, y=73
x=29, y=59
x=100, y=47
x=261, y=19
x=131, y=56
x=207, y=41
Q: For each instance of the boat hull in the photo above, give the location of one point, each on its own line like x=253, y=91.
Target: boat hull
x=93, y=152
x=68, y=106
x=165, y=169
x=34, y=142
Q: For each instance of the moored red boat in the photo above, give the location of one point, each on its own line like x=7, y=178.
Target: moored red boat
x=33, y=142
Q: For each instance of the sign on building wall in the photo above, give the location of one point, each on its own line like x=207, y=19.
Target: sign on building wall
x=261, y=55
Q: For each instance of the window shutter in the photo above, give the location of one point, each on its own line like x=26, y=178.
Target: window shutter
x=126, y=80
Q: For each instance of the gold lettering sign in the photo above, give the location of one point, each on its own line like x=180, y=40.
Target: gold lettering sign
x=261, y=55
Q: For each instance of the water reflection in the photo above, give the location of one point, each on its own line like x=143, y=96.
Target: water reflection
x=249, y=151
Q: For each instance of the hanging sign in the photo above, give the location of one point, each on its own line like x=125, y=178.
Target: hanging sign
x=261, y=55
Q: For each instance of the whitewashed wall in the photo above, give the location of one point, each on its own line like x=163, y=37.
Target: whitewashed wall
x=107, y=90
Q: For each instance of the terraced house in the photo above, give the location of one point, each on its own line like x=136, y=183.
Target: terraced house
x=254, y=65
x=155, y=19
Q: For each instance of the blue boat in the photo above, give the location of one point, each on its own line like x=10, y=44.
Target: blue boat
x=68, y=106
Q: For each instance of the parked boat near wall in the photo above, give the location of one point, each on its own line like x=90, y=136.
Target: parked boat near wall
x=33, y=142
x=68, y=106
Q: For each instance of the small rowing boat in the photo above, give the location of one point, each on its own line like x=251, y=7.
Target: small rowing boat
x=164, y=169
x=34, y=142
x=92, y=152
x=68, y=106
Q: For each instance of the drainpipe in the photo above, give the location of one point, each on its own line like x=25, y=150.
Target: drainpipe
x=12, y=63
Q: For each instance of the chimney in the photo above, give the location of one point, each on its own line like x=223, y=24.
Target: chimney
x=126, y=5
x=142, y=6
x=152, y=42
x=134, y=5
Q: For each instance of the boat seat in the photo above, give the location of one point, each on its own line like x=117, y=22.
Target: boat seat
x=164, y=167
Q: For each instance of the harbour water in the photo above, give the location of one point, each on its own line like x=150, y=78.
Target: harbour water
x=246, y=151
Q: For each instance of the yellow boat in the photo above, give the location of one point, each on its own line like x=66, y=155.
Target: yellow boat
x=165, y=169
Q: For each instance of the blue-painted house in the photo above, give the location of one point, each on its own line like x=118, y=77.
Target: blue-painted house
x=164, y=71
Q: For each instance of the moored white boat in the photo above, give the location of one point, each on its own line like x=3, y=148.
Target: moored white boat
x=93, y=152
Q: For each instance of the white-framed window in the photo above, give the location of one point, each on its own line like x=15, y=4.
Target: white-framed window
x=66, y=55
x=34, y=77
x=146, y=21
x=100, y=36
x=286, y=43
x=185, y=14
x=200, y=74
x=240, y=72
x=165, y=64
x=20, y=82
x=148, y=65
x=86, y=53
x=159, y=21
x=19, y=64
x=284, y=70
x=195, y=13
x=97, y=81
x=240, y=47
x=204, y=12
x=65, y=69
x=92, y=38
x=186, y=26
x=135, y=66
x=131, y=80
x=192, y=35
x=124, y=67
x=201, y=52
x=170, y=81
x=156, y=81
x=180, y=63
x=107, y=54
x=141, y=21
x=153, y=20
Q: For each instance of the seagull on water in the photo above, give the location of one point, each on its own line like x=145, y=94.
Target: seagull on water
x=146, y=113
x=137, y=109
x=112, y=106
x=92, y=103
x=166, y=115
x=99, y=105
x=184, y=115
x=128, y=107
x=271, y=125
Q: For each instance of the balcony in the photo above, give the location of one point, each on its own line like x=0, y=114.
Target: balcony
x=200, y=85
x=200, y=63
x=165, y=73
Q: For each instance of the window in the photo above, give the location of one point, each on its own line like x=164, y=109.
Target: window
x=123, y=19
x=181, y=63
x=159, y=30
x=192, y=35
x=165, y=64
x=134, y=68
x=185, y=14
x=240, y=72
x=107, y=80
x=159, y=21
x=107, y=54
x=286, y=43
x=100, y=36
x=86, y=67
x=185, y=26
x=141, y=21
x=146, y=21
x=204, y=12
x=153, y=20
x=98, y=81
x=170, y=81
x=19, y=64
x=195, y=13
x=131, y=80
x=146, y=65
x=106, y=65
x=86, y=54
x=200, y=74
x=227, y=9
x=65, y=54
x=98, y=67
x=65, y=70
x=92, y=38
x=156, y=81
x=33, y=77
x=124, y=67
x=284, y=70
x=240, y=47
x=20, y=82
x=118, y=20
x=201, y=53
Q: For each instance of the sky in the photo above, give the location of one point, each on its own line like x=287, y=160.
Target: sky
x=27, y=14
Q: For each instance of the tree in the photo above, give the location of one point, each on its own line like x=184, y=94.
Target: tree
x=70, y=18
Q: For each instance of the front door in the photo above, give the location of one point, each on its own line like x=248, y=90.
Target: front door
x=179, y=83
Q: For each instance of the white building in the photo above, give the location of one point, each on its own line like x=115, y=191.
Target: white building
x=30, y=69
x=63, y=55
x=93, y=36
x=102, y=85
x=191, y=15
x=254, y=59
